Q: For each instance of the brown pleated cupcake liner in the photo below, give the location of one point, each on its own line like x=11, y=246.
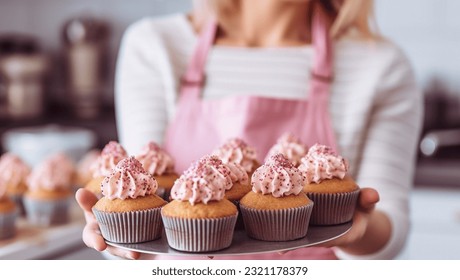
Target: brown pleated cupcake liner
x=130, y=227
x=199, y=235
x=8, y=224
x=161, y=192
x=239, y=220
x=277, y=224
x=334, y=208
x=45, y=213
x=164, y=193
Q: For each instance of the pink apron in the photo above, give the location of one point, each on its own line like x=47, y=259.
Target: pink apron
x=200, y=126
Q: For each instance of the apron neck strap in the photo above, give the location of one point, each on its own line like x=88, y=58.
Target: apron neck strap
x=195, y=71
x=322, y=44
x=318, y=121
x=322, y=61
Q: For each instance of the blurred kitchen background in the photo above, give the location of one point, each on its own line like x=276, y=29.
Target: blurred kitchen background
x=57, y=61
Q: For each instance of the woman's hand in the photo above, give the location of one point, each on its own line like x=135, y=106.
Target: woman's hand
x=91, y=235
x=371, y=229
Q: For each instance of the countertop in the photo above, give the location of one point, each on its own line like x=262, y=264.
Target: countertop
x=32, y=242
x=435, y=224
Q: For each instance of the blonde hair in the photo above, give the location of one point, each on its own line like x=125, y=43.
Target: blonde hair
x=351, y=18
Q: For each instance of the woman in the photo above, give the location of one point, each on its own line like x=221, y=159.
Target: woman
x=254, y=69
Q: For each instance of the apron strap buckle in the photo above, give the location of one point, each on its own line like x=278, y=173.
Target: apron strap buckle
x=197, y=82
x=327, y=79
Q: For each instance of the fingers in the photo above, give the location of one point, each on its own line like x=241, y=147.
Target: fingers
x=131, y=255
x=92, y=237
x=367, y=200
x=91, y=234
x=355, y=233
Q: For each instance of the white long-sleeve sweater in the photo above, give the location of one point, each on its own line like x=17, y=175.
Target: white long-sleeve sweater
x=375, y=105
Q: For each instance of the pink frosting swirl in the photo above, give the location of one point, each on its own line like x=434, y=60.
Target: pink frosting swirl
x=13, y=170
x=111, y=154
x=206, y=180
x=321, y=163
x=290, y=146
x=278, y=177
x=155, y=160
x=238, y=151
x=237, y=173
x=53, y=173
x=128, y=180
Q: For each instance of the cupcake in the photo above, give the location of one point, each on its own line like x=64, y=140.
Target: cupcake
x=67, y=166
x=238, y=160
x=84, y=172
x=240, y=181
x=239, y=186
x=160, y=164
x=13, y=173
x=290, y=146
x=47, y=200
x=129, y=210
x=238, y=151
x=276, y=209
x=111, y=154
x=199, y=218
x=334, y=192
x=8, y=213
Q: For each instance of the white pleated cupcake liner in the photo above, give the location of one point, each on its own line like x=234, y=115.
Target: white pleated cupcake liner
x=199, y=235
x=130, y=227
x=277, y=224
x=8, y=224
x=45, y=213
x=333, y=209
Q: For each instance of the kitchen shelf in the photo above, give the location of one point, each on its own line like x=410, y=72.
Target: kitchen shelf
x=103, y=125
x=438, y=172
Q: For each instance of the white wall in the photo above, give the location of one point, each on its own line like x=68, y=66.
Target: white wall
x=46, y=17
x=429, y=32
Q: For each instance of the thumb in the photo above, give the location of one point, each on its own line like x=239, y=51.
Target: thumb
x=85, y=199
x=368, y=197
